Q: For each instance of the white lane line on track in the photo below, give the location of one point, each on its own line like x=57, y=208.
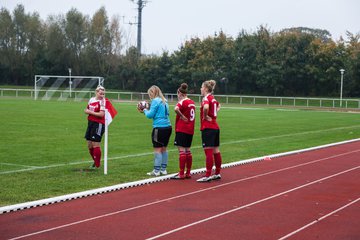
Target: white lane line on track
x=319, y=219
x=250, y=204
x=181, y=196
x=175, y=150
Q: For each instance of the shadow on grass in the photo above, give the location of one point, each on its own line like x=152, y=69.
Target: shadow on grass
x=85, y=170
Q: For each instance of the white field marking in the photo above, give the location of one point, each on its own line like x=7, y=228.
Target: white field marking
x=24, y=124
x=18, y=165
x=287, y=110
x=73, y=163
x=173, y=150
x=290, y=135
x=292, y=109
x=243, y=108
x=251, y=204
x=193, y=193
x=319, y=219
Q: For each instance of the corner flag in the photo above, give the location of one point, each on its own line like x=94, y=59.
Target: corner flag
x=110, y=113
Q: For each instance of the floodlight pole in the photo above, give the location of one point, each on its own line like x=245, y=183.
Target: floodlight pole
x=70, y=81
x=341, y=85
x=141, y=4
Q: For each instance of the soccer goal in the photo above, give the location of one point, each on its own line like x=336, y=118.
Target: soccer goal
x=48, y=87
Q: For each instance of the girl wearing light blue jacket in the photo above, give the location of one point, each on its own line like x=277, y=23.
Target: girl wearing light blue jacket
x=159, y=112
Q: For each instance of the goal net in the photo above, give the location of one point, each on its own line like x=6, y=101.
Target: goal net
x=48, y=87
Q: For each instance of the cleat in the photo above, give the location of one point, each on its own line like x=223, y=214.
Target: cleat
x=92, y=167
x=163, y=172
x=153, y=173
x=216, y=177
x=187, y=176
x=178, y=177
x=204, y=179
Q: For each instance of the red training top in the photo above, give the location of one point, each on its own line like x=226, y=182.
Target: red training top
x=96, y=106
x=212, y=112
x=187, y=108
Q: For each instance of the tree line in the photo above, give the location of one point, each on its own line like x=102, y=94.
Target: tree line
x=292, y=62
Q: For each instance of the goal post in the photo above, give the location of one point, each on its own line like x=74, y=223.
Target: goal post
x=64, y=87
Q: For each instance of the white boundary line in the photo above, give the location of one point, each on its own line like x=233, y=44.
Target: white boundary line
x=319, y=219
x=97, y=191
x=173, y=150
x=17, y=165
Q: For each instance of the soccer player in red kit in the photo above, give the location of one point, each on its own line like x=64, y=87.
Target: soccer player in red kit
x=210, y=131
x=96, y=125
x=184, y=128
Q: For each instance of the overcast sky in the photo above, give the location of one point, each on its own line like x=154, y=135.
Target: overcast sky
x=168, y=23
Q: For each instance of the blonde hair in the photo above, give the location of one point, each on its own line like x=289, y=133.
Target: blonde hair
x=209, y=85
x=154, y=91
x=99, y=88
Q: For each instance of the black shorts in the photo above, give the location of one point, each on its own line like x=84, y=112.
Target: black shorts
x=160, y=136
x=183, y=139
x=210, y=137
x=94, y=131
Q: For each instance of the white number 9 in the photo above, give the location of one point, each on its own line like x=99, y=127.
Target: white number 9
x=192, y=114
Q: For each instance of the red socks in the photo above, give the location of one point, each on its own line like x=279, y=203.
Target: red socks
x=212, y=157
x=182, y=162
x=96, y=154
x=218, y=161
x=91, y=151
x=188, y=163
x=209, y=152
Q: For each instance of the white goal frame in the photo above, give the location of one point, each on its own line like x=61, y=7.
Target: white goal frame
x=38, y=82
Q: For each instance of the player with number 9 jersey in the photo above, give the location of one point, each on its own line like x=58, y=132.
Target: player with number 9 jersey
x=187, y=108
x=184, y=128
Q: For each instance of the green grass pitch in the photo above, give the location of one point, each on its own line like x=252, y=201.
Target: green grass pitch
x=43, y=153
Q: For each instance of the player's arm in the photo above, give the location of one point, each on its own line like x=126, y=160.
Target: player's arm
x=96, y=114
x=181, y=115
x=206, y=112
x=150, y=113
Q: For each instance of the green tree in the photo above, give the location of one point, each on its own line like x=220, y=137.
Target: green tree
x=35, y=34
x=20, y=45
x=294, y=47
x=246, y=63
x=180, y=71
x=7, y=46
x=129, y=70
x=352, y=66
x=99, y=44
x=326, y=62
x=57, y=53
x=155, y=70
x=75, y=32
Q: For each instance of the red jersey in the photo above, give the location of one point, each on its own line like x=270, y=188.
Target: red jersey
x=212, y=112
x=96, y=106
x=187, y=108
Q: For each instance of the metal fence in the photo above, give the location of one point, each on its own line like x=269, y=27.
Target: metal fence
x=228, y=99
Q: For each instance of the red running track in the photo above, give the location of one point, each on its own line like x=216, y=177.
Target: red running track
x=312, y=195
